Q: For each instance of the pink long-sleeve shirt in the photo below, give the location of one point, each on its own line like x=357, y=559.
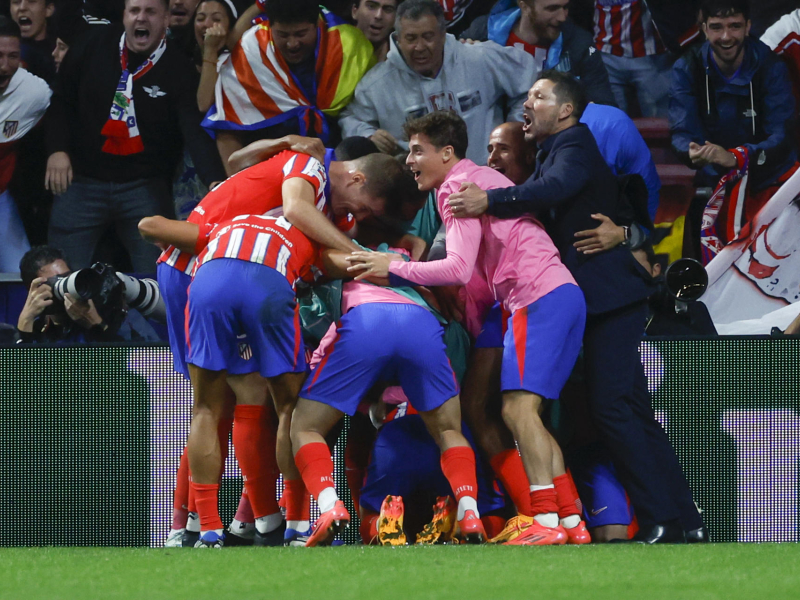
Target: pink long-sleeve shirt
x=513, y=260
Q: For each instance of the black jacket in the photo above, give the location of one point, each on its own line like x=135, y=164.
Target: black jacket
x=570, y=183
x=165, y=104
x=578, y=56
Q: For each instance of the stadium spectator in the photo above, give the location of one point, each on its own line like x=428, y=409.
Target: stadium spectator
x=542, y=28
x=639, y=40
x=23, y=101
x=37, y=42
x=180, y=32
x=509, y=154
x=67, y=27
x=375, y=18
x=427, y=70
x=291, y=74
x=122, y=108
x=212, y=22
x=46, y=320
x=570, y=183
x=730, y=114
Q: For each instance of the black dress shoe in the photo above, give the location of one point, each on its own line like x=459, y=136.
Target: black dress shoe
x=661, y=533
x=697, y=536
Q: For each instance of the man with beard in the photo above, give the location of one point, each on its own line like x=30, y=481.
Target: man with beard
x=123, y=107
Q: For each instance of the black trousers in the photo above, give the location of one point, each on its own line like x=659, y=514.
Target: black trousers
x=623, y=413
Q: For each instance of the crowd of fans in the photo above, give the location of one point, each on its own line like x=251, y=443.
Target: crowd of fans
x=115, y=112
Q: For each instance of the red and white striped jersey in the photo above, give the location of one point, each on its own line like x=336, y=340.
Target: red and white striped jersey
x=253, y=191
x=625, y=28
x=269, y=241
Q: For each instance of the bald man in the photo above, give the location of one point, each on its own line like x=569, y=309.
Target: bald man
x=509, y=154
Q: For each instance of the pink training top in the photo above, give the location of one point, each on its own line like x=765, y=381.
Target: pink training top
x=515, y=258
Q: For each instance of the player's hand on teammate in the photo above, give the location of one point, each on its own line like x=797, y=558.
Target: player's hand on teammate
x=40, y=296
x=305, y=145
x=83, y=312
x=367, y=265
x=605, y=236
x=58, y=176
x=468, y=201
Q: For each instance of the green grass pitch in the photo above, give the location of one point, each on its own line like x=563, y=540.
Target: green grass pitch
x=724, y=571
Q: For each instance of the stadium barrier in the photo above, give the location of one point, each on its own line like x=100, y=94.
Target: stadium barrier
x=91, y=438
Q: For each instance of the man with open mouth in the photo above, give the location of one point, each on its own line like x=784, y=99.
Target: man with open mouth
x=123, y=107
x=37, y=41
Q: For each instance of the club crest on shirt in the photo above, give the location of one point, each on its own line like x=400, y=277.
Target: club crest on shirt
x=10, y=128
x=154, y=92
x=245, y=351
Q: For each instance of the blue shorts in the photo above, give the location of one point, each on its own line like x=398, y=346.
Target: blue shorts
x=406, y=460
x=400, y=343
x=542, y=342
x=174, y=286
x=232, y=300
x=491, y=335
x=604, y=499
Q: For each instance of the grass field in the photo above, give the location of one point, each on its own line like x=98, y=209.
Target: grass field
x=724, y=571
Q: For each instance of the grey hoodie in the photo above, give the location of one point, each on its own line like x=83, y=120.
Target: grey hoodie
x=476, y=81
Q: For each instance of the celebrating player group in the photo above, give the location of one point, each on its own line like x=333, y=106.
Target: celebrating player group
x=299, y=221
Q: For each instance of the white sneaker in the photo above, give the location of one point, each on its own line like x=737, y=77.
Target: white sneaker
x=174, y=538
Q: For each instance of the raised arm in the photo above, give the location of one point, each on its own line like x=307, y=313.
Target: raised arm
x=160, y=230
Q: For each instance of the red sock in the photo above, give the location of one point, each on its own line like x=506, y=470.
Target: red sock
x=192, y=504
x=249, y=442
x=356, y=459
x=244, y=512
x=180, y=498
x=567, y=496
x=207, y=499
x=493, y=525
x=508, y=467
x=316, y=467
x=369, y=527
x=458, y=466
x=543, y=502
x=296, y=500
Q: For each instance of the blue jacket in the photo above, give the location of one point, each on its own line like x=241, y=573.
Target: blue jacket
x=570, y=183
x=754, y=109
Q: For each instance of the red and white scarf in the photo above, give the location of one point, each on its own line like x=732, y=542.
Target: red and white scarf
x=121, y=129
x=731, y=189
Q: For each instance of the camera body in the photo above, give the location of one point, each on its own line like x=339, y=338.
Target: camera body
x=111, y=292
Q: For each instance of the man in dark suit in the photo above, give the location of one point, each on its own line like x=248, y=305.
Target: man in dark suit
x=572, y=182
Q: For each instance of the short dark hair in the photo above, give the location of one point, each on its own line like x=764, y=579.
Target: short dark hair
x=384, y=179
x=442, y=128
x=355, y=146
x=567, y=89
x=724, y=8
x=414, y=10
x=166, y=2
x=292, y=11
x=9, y=28
x=36, y=258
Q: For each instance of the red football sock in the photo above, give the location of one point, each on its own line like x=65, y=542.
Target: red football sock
x=244, y=512
x=296, y=500
x=458, y=466
x=508, y=467
x=180, y=498
x=493, y=525
x=249, y=442
x=369, y=527
x=207, y=499
x=316, y=467
x=356, y=459
x=543, y=502
x=567, y=496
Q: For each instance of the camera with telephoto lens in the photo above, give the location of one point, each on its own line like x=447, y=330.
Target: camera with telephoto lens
x=111, y=292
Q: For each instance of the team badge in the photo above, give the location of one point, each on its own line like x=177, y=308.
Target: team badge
x=245, y=351
x=10, y=128
x=154, y=92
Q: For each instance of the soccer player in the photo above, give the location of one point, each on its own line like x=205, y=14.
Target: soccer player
x=513, y=262
x=298, y=186
x=382, y=335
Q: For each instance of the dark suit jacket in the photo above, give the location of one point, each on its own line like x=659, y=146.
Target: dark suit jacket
x=571, y=182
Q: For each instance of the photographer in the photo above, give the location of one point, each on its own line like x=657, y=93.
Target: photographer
x=50, y=318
